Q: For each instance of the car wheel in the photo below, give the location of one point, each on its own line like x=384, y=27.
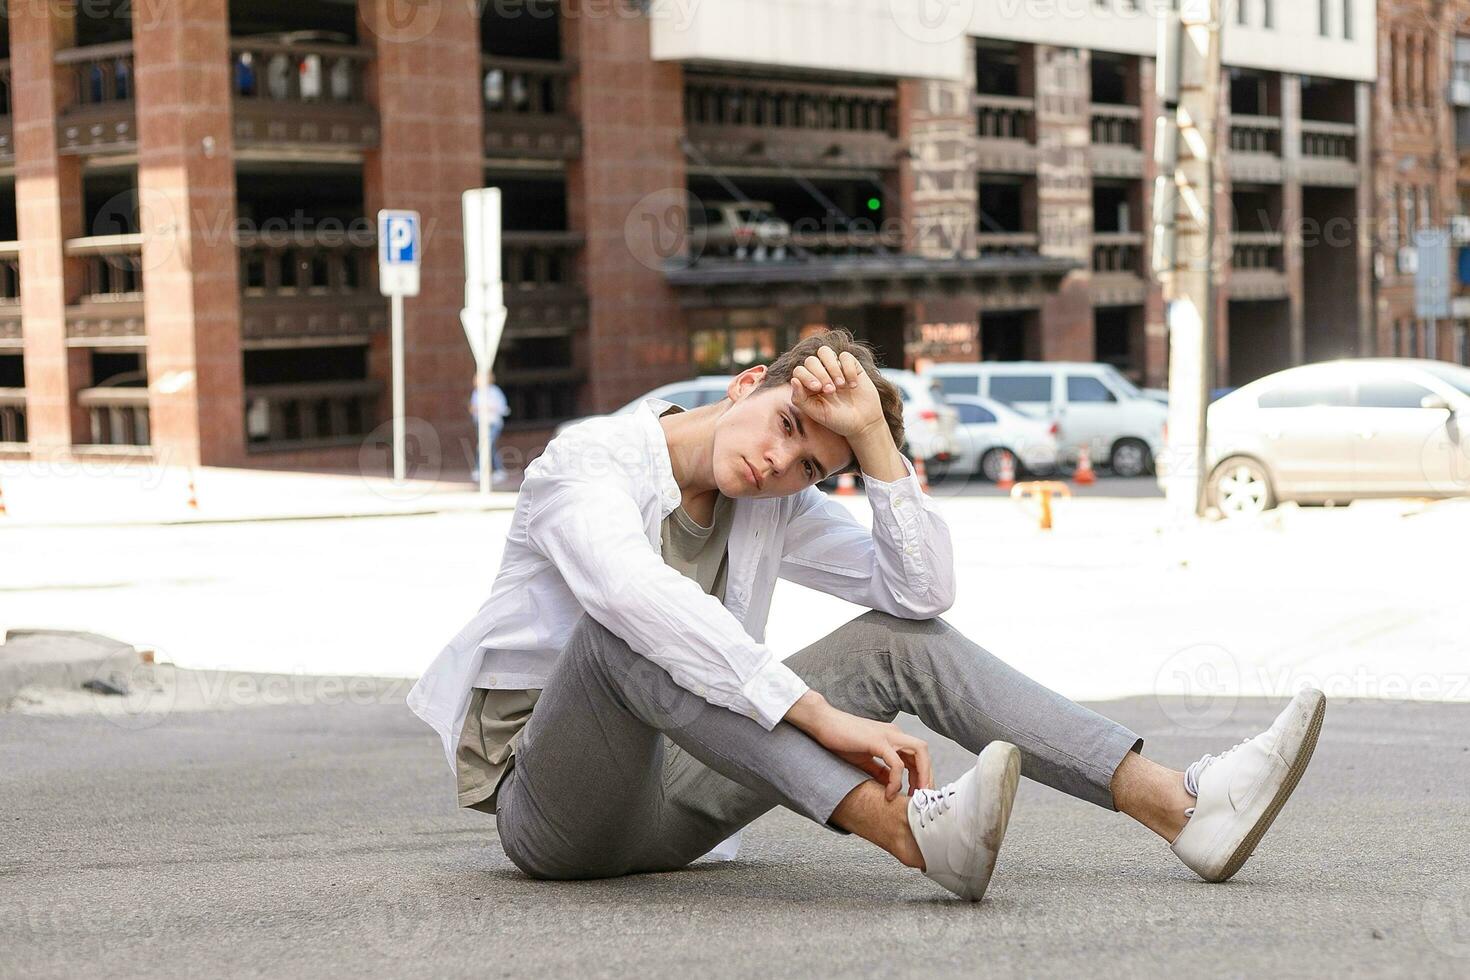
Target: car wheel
x=990, y=464
x=1130, y=458
x=1241, y=487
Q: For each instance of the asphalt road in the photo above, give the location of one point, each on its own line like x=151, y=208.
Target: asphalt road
x=291, y=839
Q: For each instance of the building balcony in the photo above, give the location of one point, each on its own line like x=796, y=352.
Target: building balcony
x=7, y=142
x=1007, y=243
x=290, y=97
x=13, y=432
x=1257, y=266
x=544, y=295
x=1118, y=273
x=9, y=295
x=1329, y=153
x=1006, y=127
x=528, y=109
x=310, y=415
x=99, y=115
x=117, y=418
x=735, y=121
x=109, y=310
x=309, y=287
x=1116, y=145
x=1255, y=149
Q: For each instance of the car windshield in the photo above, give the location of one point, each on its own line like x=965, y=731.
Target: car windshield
x=1121, y=383
x=1451, y=374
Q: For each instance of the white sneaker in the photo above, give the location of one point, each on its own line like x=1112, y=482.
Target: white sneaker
x=960, y=827
x=1240, y=793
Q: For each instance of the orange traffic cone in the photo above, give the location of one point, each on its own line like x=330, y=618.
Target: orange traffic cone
x=1084, y=475
x=1007, y=470
x=922, y=474
x=193, y=496
x=2, y=501
x=846, y=485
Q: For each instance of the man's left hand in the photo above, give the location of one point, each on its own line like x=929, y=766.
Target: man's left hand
x=835, y=392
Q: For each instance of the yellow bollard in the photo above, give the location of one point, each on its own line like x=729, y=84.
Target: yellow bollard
x=1043, y=491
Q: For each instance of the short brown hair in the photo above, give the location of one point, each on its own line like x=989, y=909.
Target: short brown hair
x=780, y=371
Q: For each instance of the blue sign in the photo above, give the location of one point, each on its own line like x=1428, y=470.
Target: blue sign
x=400, y=237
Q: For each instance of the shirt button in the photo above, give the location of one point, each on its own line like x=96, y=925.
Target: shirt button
x=898, y=503
x=490, y=679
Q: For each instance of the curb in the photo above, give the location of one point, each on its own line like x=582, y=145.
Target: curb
x=259, y=518
x=59, y=660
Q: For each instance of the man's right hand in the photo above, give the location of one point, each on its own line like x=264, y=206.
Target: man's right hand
x=879, y=748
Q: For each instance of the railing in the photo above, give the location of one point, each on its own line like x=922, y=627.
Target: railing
x=328, y=264
x=1115, y=125
x=118, y=416
x=539, y=259
x=1256, y=251
x=279, y=71
x=1255, y=134
x=1329, y=140
x=526, y=86
x=764, y=104
x=112, y=269
x=280, y=415
x=849, y=241
x=9, y=272
x=1007, y=243
x=12, y=415
x=4, y=86
x=1005, y=117
x=1118, y=251
x=100, y=73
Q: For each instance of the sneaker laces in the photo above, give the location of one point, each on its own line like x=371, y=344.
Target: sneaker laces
x=931, y=803
x=1196, y=769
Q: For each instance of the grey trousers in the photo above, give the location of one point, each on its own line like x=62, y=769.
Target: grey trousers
x=620, y=770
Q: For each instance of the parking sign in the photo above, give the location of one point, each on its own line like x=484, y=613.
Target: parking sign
x=398, y=253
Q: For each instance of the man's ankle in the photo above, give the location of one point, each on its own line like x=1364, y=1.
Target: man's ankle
x=867, y=813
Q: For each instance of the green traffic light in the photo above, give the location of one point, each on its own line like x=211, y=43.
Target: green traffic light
x=874, y=204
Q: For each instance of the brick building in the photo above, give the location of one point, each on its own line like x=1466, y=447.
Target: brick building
x=190, y=273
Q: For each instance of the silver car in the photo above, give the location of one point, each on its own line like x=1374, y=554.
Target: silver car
x=1341, y=430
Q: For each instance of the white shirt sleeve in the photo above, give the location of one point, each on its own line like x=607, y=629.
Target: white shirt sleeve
x=903, y=566
x=592, y=531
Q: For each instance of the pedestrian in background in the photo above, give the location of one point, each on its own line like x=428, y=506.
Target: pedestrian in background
x=497, y=408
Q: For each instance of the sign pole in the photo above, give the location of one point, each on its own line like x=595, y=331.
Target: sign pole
x=483, y=316
x=399, y=451
x=398, y=276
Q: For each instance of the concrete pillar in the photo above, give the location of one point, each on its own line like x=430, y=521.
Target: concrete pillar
x=1291, y=214
x=48, y=201
x=186, y=197
x=938, y=174
x=424, y=79
x=1064, y=196
x=626, y=194
x=1363, y=218
x=1155, y=326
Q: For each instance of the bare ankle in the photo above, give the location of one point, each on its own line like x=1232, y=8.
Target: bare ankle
x=1152, y=794
x=866, y=813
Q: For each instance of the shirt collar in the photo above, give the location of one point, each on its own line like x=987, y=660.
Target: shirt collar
x=658, y=449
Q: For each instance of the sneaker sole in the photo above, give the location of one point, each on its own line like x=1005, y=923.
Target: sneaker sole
x=1293, y=776
x=999, y=767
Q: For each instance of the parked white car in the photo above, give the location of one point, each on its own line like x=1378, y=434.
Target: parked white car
x=929, y=422
x=1093, y=405
x=1341, y=430
x=703, y=390
x=988, y=430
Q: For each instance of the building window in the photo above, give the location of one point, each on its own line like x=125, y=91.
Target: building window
x=1347, y=19
x=1268, y=14
x=1323, y=15
x=1242, y=12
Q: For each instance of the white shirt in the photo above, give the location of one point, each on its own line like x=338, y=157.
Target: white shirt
x=585, y=538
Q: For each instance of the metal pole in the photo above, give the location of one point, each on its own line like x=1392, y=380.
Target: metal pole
x=1190, y=284
x=482, y=420
x=399, y=454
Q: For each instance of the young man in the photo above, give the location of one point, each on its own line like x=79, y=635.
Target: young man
x=614, y=705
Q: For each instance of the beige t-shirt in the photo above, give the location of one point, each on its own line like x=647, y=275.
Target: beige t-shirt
x=495, y=719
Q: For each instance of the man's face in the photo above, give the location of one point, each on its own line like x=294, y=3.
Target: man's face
x=765, y=447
